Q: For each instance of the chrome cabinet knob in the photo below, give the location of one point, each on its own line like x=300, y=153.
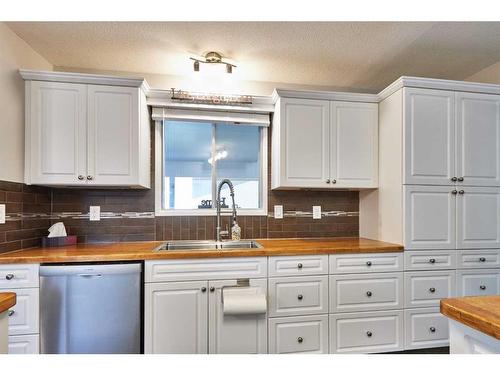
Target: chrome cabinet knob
x=300, y=265
x=334, y=181
x=80, y=177
x=89, y=177
x=369, y=294
x=369, y=333
x=212, y=289
x=432, y=260
x=432, y=329
x=432, y=290
x=300, y=340
x=300, y=297
x=461, y=192
x=482, y=259
x=203, y=290
x=482, y=287
x=11, y=312
x=9, y=276
x=369, y=263
x=454, y=192
x=327, y=180
x=454, y=179
x=460, y=179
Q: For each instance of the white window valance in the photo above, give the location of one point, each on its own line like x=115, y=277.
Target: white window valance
x=174, y=114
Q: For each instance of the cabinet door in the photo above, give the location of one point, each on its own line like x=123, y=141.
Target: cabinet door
x=478, y=218
x=478, y=282
x=429, y=136
x=353, y=144
x=235, y=334
x=56, y=133
x=478, y=139
x=113, y=146
x=176, y=317
x=304, y=143
x=429, y=217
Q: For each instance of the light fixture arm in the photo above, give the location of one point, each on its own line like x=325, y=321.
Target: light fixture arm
x=212, y=58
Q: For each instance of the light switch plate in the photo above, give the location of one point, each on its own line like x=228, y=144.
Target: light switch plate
x=2, y=213
x=95, y=213
x=278, y=212
x=316, y=212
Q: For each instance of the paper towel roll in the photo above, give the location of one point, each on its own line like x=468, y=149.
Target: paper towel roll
x=243, y=301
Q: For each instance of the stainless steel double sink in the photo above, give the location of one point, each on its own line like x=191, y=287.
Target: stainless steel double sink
x=208, y=245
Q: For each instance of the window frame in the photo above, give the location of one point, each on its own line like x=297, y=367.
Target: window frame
x=158, y=174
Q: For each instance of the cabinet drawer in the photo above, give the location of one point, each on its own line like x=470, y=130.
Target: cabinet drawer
x=18, y=276
x=425, y=328
x=478, y=258
x=369, y=332
x=366, y=292
x=298, y=295
x=205, y=269
x=298, y=265
x=478, y=282
x=426, y=288
x=361, y=263
x=24, y=344
x=430, y=260
x=298, y=334
x=23, y=316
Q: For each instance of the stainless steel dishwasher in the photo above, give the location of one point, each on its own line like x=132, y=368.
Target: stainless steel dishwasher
x=92, y=308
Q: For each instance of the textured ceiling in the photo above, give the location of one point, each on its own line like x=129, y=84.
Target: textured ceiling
x=359, y=55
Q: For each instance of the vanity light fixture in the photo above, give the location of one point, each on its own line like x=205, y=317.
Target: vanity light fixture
x=212, y=58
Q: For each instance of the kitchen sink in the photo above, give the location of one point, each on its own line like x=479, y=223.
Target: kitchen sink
x=208, y=245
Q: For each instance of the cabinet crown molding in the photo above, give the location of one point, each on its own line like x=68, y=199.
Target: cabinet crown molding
x=93, y=79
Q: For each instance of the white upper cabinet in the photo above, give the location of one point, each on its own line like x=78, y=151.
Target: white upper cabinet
x=478, y=139
x=324, y=144
x=80, y=134
x=56, y=131
x=301, y=143
x=451, y=138
x=354, y=142
x=429, y=133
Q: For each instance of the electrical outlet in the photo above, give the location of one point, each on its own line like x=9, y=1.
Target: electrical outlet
x=278, y=212
x=2, y=213
x=95, y=213
x=316, y=212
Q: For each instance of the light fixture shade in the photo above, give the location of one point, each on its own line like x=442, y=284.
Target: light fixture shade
x=196, y=66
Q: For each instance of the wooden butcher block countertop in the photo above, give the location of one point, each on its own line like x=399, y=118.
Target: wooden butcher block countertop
x=481, y=313
x=7, y=300
x=122, y=251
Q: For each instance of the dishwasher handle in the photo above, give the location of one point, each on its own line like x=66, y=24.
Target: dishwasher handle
x=88, y=270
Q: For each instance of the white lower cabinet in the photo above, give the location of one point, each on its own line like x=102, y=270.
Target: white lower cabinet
x=478, y=282
x=367, y=332
x=478, y=258
x=425, y=328
x=298, y=334
x=24, y=344
x=427, y=288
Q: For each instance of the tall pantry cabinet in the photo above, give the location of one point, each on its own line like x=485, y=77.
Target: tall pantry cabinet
x=439, y=195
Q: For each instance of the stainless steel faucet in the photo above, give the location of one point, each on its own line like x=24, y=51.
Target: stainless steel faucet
x=218, y=203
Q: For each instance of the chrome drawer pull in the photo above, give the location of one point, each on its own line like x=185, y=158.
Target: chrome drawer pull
x=299, y=266
x=454, y=179
x=432, y=290
x=203, y=289
x=482, y=259
x=432, y=260
x=300, y=297
x=454, y=192
x=300, y=340
x=460, y=179
x=9, y=276
x=369, y=333
x=432, y=329
x=369, y=263
x=11, y=312
x=212, y=289
x=482, y=287
x=369, y=294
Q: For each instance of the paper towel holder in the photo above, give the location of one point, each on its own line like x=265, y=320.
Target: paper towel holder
x=240, y=283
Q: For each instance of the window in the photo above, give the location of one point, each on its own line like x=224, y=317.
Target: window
x=194, y=156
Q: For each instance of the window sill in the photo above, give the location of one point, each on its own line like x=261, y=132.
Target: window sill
x=211, y=212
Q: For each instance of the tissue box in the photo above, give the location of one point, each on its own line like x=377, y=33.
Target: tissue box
x=58, y=241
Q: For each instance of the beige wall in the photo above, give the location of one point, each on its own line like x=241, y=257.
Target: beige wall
x=15, y=54
x=490, y=74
